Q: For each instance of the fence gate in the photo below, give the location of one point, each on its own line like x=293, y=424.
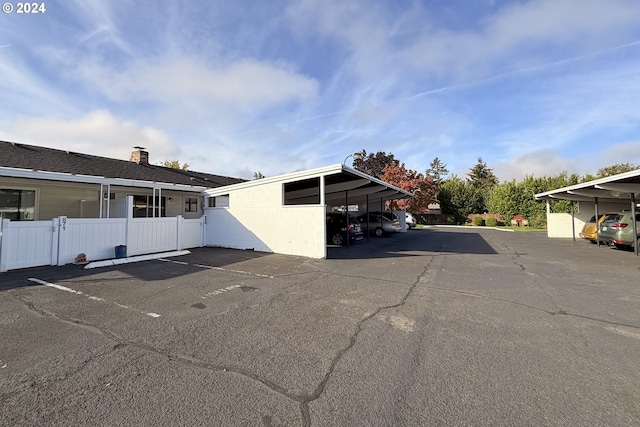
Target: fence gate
x=28, y=244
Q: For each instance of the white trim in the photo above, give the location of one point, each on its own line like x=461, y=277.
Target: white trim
x=591, y=184
x=295, y=176
x=89, y=179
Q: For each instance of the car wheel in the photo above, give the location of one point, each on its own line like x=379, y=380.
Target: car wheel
x=379, y=232
x=337, y=239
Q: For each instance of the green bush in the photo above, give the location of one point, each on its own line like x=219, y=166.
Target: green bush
x=491, y=222
x=478, y=221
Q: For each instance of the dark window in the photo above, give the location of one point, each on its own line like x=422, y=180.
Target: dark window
x=191, y=204
x=303, y=192
x=17, y=205
x=143, y=206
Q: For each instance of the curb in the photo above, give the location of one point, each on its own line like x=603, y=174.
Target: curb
x=128, y=260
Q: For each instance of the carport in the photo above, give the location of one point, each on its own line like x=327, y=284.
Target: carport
x=287, y=213
x=617, y=192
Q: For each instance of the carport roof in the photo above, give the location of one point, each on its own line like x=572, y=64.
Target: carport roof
x=338, y=179
x=615, y=188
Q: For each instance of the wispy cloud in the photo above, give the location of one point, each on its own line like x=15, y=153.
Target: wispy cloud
x=282, y=86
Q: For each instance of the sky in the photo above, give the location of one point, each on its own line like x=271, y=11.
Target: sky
x=233, y=87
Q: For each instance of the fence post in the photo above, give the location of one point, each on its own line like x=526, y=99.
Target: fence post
x=203, y=230
x=180, y=224
x=4, y=243
x=59, y=245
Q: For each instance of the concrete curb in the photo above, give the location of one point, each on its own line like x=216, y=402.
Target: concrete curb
x=467, y=227
x=128, y=260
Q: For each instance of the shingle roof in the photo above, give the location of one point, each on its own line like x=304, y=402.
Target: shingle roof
x=24, y=156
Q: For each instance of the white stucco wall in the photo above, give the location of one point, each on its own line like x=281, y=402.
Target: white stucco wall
x=559, y=225
x=256, y=219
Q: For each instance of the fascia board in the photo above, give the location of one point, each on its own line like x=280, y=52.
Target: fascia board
x=592, y=184
x=294, y=176
x=90, y=179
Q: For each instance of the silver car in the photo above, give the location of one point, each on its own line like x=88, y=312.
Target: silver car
x=379, y=224
x=618, y=230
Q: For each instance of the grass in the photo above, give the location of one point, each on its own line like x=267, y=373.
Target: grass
x=508, y=227
x=523, y=229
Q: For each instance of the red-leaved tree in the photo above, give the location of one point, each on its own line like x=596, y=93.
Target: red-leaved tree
x=422, y=187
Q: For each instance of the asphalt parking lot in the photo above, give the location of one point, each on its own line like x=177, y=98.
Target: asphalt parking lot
x=438, y=326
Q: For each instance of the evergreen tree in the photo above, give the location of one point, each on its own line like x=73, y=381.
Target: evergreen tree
x=437, y=171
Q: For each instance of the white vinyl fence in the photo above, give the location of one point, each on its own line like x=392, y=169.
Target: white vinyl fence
x=58, y=241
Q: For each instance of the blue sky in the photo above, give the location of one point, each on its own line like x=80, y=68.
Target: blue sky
x=234, y=87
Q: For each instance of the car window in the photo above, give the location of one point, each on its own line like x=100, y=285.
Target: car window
x=612, y=218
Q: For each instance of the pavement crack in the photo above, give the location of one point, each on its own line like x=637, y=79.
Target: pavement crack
x=549, y=312
x=304, y=406
x=121, y=343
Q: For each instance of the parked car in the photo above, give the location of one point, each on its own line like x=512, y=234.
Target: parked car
x=410, y=220
x=618, y=230
x=379, y=223
x=589, y=230
x=337, y=229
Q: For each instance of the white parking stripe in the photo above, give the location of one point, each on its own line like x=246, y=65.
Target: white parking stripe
x=210, y=267
x=73, y=291
x=220, y=291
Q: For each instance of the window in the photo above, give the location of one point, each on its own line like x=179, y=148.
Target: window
x=303, y=192
x=219, y=201
x=17, y=205
x=191, y=204
x=143, y=206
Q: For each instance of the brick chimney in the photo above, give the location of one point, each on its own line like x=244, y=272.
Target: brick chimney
x=140, y=156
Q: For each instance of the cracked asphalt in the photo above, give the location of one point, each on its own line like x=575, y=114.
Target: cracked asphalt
x=437, y=326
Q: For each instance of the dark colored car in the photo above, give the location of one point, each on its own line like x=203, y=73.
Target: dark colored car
x=338, y=230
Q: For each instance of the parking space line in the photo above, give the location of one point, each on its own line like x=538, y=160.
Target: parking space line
x=73, y=291
x=210, y=267
x=220, y=291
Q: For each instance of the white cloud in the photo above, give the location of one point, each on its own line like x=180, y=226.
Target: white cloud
x=97, y=133
x=245, y=84
x=537, y=163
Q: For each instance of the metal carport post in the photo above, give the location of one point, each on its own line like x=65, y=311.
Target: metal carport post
x=346, y=208
x=633, y=220
x=597, y=223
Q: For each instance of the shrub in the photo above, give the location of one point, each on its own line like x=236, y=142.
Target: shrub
x=491, y=222
x=477, y=220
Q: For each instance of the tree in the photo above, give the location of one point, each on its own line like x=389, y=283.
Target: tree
x=616, y=169
x=437, y=171
x=454, y=196
x=174, y=164
x=511, y=197
x=258, y=175
x=409, y=180
x=482, y=180
x=374, y=164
